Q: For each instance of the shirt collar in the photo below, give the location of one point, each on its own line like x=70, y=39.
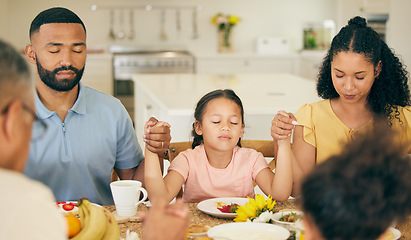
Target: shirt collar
x=79, y=106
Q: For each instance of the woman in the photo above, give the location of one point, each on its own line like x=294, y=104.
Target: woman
x=360, y=80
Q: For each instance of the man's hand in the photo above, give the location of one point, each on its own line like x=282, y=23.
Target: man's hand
x=157, y=136
x=165, y=221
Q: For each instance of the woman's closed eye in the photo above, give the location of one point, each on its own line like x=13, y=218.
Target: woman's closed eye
x=339, y=76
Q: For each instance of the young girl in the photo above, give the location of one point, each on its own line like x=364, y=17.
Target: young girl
x=217, y=166
x=360, y=80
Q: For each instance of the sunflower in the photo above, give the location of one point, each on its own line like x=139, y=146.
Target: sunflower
x=254, y=208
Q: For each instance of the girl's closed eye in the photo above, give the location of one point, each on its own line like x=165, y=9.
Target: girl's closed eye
x=234, y=123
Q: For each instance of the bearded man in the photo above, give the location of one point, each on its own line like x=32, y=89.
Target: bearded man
x=89, y=133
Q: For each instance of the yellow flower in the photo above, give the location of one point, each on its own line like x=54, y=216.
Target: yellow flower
x=270, y=203
x=232, y=19
x=259, y=199
x=245, y=212
x=253, y=208
x=214, y=19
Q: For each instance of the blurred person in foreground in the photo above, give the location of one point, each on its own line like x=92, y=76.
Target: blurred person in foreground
x=359, y=193
x=28, y=209
x=90, y=133
x=165, y=221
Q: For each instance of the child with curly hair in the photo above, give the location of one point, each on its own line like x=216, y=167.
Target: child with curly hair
x=359, y=193
x=360, y=81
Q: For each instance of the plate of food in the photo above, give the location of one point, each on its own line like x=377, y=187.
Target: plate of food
x=69, y=207
x=195, y=231
x=287, y=219
x=221, y=207
x=248, y=231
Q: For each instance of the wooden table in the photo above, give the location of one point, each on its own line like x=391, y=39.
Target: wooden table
x=198, y=217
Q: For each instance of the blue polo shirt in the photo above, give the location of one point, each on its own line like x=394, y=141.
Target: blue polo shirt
x=75, y=157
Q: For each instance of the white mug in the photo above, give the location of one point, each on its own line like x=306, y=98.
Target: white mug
x=126, y=195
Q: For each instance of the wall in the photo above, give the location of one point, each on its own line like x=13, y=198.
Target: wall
x=399, y=31
x=3, y=19
x=258, y=18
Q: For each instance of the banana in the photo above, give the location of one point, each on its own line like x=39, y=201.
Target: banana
x=82, y=214
x=95, y=221
x=113, y=231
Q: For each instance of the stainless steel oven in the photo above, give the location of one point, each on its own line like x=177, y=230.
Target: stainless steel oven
x=129, y=61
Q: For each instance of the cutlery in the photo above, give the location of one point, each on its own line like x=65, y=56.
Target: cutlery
x=178, y=22
x=131, y=34
x=195, y=34
x=121, y=33
x=163, y=35
x=111, y=33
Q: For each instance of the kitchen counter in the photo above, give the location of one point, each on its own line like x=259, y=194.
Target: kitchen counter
x=172, y=98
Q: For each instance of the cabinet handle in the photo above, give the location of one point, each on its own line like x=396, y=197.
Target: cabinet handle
x=148, y=107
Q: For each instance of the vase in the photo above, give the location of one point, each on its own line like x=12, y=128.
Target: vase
x=225, y=41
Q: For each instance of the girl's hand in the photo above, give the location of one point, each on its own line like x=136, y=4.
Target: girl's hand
x=282, y=125
x=157, y=136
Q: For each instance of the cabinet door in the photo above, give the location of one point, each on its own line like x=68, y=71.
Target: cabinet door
x=271, y=65
x=246, y=65
x=98, y=73
x=221, y=65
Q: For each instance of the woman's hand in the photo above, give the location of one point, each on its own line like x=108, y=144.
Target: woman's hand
x=282, y=125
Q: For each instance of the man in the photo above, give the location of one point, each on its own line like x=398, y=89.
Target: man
x=90, y=133
x=28, y=209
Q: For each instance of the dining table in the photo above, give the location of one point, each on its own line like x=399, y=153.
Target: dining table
x=198, y=217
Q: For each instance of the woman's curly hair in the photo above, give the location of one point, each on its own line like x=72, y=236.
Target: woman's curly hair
x=361, y=192
x=390, y=88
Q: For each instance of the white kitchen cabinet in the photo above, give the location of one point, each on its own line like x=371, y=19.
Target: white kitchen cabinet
x=229, y=64
x=352, y=8
x=310, y=63
x=98, y=73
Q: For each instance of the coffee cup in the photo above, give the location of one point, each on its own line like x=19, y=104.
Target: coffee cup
x=126, y=194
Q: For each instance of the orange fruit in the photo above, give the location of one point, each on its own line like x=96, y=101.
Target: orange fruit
x=74, y=226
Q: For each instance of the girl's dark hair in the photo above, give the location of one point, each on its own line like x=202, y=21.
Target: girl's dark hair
x=201, y=105
x=390, y=88
x=361, y=192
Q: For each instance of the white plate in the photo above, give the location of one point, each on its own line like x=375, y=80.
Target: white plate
x=208, y=206
x=249, y=231
x=396, y=232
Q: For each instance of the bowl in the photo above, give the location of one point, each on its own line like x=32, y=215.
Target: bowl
x=289, y=225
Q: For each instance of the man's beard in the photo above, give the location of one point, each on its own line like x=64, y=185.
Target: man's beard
x=64, y=85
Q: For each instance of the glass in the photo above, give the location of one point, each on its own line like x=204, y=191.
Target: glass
x=39, y=126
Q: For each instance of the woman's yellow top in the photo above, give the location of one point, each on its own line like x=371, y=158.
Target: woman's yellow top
x=325, y=131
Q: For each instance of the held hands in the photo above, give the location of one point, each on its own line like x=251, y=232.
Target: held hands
x=157, y=136
x=282, y=125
